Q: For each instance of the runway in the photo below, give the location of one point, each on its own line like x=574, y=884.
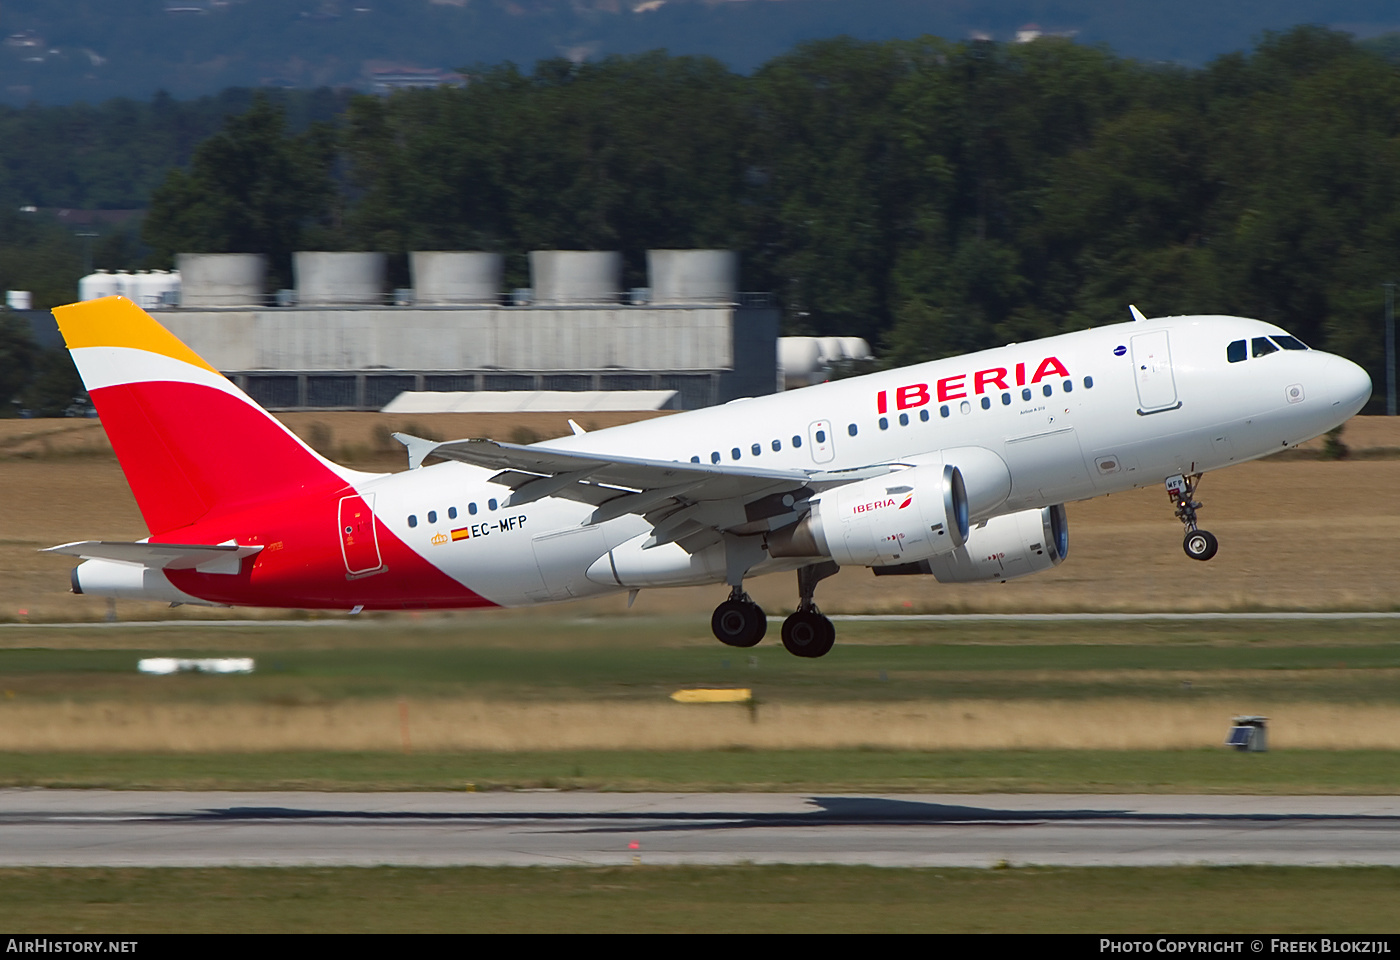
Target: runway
x=107, y=828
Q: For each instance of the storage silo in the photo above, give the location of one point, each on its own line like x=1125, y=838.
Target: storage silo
x=575, y=276
x=97, y=285
x=329, y=279
x=456, y=276
x=693, y=276
x=221, y=279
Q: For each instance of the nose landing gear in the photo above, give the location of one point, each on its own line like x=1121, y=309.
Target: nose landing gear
x=1199, y=544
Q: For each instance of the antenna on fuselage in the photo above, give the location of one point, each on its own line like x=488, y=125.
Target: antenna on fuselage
x=1137, y=314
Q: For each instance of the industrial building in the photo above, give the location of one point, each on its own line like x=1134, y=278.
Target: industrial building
x=342, y=340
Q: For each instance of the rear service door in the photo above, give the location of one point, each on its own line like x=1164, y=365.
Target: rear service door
x=359, y=541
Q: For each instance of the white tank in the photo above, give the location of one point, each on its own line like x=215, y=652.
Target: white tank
x=832, y=351
x=221, y=279
x=164, y=288
x=339, y=278
x=799, y=360
x=575, y=276
x=855, y=348
x=19, y=299
x=693, y=276
x=97, y=285
x=455, y=276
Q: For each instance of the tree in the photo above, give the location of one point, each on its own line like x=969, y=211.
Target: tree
x=251, y=188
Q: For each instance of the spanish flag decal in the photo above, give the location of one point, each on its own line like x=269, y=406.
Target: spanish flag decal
x=461, y=533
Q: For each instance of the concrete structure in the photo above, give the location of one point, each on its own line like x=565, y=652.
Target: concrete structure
x=575, y=336
x=693, y=276
x=570, y=277
x=443, y=277
x=534, y=401
x=333, y=279
x=222, y=279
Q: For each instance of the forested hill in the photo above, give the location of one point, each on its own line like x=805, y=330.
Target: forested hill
x=934, y=197
x=60, y=51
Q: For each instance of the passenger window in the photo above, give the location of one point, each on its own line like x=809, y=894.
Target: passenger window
x=965, y=407
x=923, y=415
x=986, y=403
x=851, y=429
x=412, y=520
x=884, y=423
x=491, y=503
x=1235, y=352
x=694, y=459
x=1006, y=399
x=821, y=436
x=432, y=516
x=1026, y=393
x=734, y=454
x=1088, y=383
x=904, y=419
x=714, y=457
x=777, y=445
x=756, y=449
x=1262, y=347
x=1069, y=386
x=1047, y=390
x=471, y=508
x=1290, y=343
x=797, y=441
x=943, y=410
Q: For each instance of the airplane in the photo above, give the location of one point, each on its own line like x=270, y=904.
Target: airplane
x=957, y=469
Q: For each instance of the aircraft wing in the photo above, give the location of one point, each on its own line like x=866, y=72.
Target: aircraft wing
x=208, y=558
x=689, y=503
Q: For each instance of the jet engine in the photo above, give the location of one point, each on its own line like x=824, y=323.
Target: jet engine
x=1002, y=548
x=908, y=515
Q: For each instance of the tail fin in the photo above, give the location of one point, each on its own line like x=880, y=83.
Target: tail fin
x=189, y=441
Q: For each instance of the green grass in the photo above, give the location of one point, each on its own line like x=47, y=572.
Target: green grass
x=642, y=899
x=528, y=659
x=1216, y=771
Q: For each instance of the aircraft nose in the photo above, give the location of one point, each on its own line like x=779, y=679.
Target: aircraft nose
x=1349, y=384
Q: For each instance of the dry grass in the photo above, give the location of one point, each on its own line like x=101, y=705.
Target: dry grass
x=454, y=725
x=1296, y=535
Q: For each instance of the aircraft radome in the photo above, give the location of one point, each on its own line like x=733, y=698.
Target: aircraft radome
x=957, y=468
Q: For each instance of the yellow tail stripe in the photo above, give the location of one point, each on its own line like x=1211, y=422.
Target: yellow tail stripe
x=117, y=322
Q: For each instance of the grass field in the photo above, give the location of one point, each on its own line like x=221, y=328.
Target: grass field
x=744, y=899
x=525, y=702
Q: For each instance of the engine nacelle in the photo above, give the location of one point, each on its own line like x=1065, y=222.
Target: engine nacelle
x=909, y=515
x=1014, y=545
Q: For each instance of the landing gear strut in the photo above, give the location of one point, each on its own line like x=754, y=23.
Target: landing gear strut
x=1199, y=544
x=807, y=633
x=739, y=621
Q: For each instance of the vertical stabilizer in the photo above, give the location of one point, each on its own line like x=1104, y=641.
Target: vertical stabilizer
x=189, y=441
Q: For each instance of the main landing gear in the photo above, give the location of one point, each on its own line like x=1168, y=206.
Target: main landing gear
x=1198, y=544
x=739, y=622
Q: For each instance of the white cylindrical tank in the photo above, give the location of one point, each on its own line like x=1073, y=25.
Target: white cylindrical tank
x=855, y=348
x=221, y=279
x=832, y=351
x=693, y=276
x=575, y=276
x=97, y=285
x=164, y=286
x=456, y=276
x=19, y=299
x=799, y=361
x=342, y=277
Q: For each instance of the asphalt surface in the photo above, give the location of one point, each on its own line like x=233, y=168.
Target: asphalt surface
x=105, y=828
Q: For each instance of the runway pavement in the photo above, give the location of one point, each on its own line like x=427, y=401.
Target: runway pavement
x=104, y=828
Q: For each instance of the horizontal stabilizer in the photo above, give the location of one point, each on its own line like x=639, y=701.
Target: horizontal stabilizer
x=206, y=558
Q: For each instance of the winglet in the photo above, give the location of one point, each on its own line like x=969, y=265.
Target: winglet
x=418, y=448
x=578, y=431
x=1137, y=314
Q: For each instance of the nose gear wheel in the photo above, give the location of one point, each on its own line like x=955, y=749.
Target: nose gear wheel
x=1199, y=544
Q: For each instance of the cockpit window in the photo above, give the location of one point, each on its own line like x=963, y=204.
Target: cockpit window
x=1262, y=346
x=1289, y=343
x=1236, y=351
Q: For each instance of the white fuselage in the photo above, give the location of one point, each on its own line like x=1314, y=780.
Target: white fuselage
x=1072, y=417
